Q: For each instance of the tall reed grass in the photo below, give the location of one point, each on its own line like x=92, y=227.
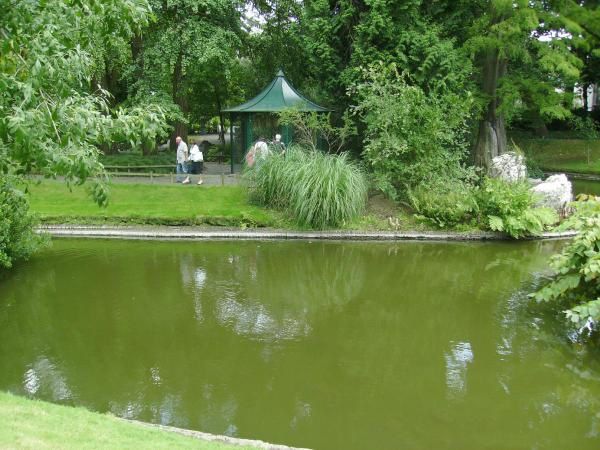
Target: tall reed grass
x=319, y=190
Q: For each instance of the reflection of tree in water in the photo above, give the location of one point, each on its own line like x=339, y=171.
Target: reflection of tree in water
x=109, y=341
x=421, y=350
x=294, y=342
x=275, y=291
x=569, y=385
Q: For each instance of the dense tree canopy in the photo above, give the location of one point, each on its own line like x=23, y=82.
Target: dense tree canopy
x=76, y=77
x=52, y=116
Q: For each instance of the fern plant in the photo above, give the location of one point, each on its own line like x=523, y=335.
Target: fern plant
x=509, y=208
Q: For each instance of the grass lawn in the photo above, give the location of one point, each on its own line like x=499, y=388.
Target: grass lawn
x=151, y=204
x=38, y=425
x=564, y=155
x=154, y=204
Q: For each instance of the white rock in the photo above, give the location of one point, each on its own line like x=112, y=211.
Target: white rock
x=509, y=167
x=555, y=192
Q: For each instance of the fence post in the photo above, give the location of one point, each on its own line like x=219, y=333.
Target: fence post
x=151, y=177
x=222, y=179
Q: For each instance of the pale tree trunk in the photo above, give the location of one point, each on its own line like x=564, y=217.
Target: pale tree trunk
x=491, y=137
x=180, y=99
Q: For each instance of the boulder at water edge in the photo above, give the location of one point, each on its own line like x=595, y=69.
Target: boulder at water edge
x=555, y=192
x=509, y=167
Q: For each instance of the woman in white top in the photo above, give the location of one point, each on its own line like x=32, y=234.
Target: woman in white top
x=197, y=158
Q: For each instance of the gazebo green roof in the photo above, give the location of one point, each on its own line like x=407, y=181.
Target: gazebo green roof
x=277, y=96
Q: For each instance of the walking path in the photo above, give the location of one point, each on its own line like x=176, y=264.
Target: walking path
x=208, y=180
x=221, y=233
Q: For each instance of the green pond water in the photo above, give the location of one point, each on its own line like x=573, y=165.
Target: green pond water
x=586, y=187
x=326, y=345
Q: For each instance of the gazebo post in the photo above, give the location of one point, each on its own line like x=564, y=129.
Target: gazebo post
x=231, y=119
x=286, y=135
x=249, y=132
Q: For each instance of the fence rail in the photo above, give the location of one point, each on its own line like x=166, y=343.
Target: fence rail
x=128, y=167
x=141, y=171
x=153, y=171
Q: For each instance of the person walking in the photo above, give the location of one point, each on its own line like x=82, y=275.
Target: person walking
x=258, y=152
x=182, y=159
x=197, y=159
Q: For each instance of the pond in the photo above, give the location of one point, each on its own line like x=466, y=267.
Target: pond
x=327, y=345
x=586, y=187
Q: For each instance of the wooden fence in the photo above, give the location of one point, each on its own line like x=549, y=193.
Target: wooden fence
x=141, y=171
x=147, y=171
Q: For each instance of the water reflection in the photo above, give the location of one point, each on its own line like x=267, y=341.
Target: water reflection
x=258, y=298
x=324, y=345
x=45, y=379
x=457, y=360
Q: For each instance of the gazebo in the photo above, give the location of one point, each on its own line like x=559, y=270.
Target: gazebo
x=259, y=112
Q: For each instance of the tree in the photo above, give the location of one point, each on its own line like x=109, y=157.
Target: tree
x=521, y=49
x=345, y=36
x=586, y=43
x=514, y=55
x=276, y=42
x=412, y=137
x=52, y=118
x=190, y=40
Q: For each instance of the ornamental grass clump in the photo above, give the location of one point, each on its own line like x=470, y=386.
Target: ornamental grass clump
x=319, y=190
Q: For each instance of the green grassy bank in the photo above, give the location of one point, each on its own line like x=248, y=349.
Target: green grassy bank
x=38, y=425
x=564, y=155
x=177, y=205
x=151, y=204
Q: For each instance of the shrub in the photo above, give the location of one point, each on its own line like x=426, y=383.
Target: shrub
x=310, y=128
x=18, y=240
x=575, y=284
x=495, y=205
x=411, y=136
x=444, y=204
x=318, y=189
x=216, y=153
x=509, y=207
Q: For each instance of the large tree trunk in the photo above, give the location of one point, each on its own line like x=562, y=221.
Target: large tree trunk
x=221, y=118
x=180, y=99
x=491, y=138
x=539, y=126
x=137, y=54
